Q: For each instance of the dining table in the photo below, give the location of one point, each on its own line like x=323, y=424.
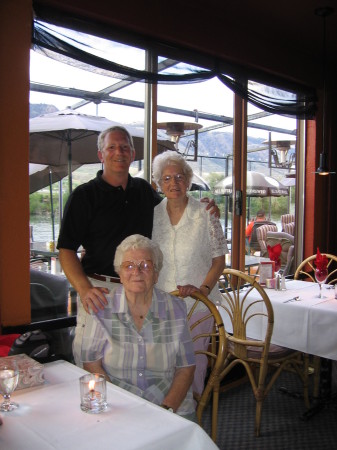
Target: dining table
x=250, y=261
x=49, y=417
x=302, y=320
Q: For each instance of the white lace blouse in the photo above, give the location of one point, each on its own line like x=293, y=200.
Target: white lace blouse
x=188, y=247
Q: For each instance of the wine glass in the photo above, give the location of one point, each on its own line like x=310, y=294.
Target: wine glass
x=321, y=275
x=277, y=265
x=9, y=377
x=277, y=272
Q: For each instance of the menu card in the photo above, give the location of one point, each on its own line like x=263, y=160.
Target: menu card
x=267, y=270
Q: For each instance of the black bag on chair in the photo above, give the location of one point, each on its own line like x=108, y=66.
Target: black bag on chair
x=35, y=344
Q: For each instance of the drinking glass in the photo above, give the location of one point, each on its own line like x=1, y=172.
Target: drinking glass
x=9, y=377
x=277, y=266
x=93, y=393
x=321, y=275
x=277, y=273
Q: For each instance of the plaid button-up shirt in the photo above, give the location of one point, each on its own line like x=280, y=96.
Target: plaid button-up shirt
x=143, y=362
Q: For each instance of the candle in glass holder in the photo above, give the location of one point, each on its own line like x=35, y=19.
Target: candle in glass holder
x=93, y=393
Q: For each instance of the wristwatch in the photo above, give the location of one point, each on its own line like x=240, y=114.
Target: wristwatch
x=167, y=407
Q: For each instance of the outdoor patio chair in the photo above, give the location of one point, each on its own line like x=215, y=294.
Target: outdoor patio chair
x=261, y=234
x=287, y=254
x=289, y=228
x=214, y=343
x=245, y=302
x=286, y=218
x=254, y=245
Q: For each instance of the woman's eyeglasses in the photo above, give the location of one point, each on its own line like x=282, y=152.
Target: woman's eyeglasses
x=179, y=178
x=142, y=266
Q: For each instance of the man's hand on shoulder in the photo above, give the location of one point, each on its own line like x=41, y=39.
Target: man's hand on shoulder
x=212, y=207
x=94, y=299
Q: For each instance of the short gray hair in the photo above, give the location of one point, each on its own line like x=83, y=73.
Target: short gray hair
x=135, y=242
x=170, y=158
x=101, y=136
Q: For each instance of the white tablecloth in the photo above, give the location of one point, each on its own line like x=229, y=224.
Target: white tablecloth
x=49, y=417
x=308, y=325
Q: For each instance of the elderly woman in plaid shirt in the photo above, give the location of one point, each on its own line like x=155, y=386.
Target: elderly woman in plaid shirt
x=141, y=340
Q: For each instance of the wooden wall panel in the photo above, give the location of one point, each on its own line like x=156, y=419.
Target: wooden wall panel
x=15, y=31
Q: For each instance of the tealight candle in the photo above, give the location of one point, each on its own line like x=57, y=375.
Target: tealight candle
x=93, y=393
x=270, y=283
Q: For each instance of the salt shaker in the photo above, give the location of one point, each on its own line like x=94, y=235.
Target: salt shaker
x=283, y=283
x=278, y=283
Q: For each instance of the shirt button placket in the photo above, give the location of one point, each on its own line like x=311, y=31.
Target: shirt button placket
x=141, y=363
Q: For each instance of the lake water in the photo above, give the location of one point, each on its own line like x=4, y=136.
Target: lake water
x=42, y=229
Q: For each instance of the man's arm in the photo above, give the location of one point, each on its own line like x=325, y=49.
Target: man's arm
x=181, y=383
x=91, y=297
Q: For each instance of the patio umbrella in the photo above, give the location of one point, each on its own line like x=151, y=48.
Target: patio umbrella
x=258, y=185
x=39, y=175
x=69, y=137
x=288, y=181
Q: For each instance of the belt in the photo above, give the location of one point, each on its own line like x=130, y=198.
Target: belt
x=104, y=278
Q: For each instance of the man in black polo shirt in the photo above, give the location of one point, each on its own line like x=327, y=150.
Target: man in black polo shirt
x=100, y=214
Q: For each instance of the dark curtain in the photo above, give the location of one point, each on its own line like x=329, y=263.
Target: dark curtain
x=71, y=47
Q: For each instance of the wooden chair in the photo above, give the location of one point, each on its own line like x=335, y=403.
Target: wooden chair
x=306, y=269
x=214, y=351
x=261, y=234
x=241, y=308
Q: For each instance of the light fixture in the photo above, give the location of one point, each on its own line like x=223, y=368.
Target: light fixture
x=323, y=168
x=278, y=151
x=177, y=129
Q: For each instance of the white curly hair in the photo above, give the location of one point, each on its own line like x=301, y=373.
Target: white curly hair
x=170, y=158
x=135, y=242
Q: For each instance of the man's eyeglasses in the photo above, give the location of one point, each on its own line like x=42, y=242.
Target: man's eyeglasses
x=179, y=178
x=143, y=266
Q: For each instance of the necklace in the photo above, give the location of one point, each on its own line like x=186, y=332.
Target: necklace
x=137, y=313
x=139, y=309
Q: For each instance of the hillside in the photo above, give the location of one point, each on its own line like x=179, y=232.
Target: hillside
x=216, y=147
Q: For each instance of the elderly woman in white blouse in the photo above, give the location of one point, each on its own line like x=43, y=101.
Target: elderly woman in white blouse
x=191, y=240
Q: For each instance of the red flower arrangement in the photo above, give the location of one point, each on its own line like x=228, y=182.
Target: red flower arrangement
x=274, y=253
x=321, y=261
